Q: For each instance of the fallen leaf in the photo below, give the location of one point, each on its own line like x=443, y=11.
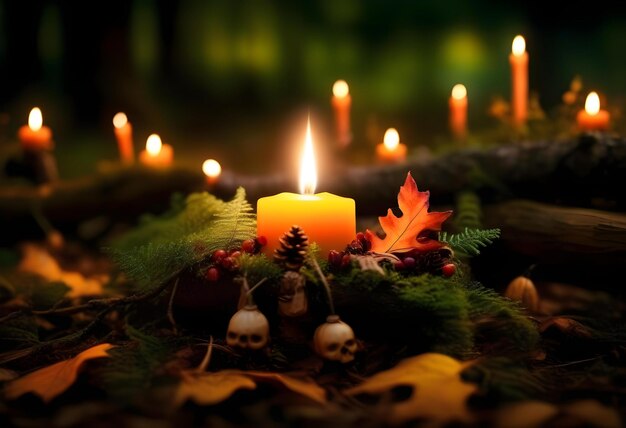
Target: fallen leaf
x=209, y=388
x=438, y=393
x=593, y=413
x=525, y=414
x=402, y=233
x=53, y=380
x=37, y=260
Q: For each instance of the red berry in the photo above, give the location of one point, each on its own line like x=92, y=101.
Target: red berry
x=334, y=258
x=409, y=262
x=448, y=270
x=360, y=236
x=218, y=255
x=213, y=274
x=235, y=254
x=345, y=260
x=248, y=246
x=261, y=240
x=399, y=265
x=228, y=263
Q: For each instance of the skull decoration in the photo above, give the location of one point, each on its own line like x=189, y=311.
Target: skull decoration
x=334, y=340
x=248, y=329
x=292, y=300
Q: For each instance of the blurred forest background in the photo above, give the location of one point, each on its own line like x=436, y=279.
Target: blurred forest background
x=234, y=79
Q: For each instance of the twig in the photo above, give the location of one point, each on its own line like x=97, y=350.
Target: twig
x=207, y=357
x=248, y=290
x=170, y=307
x=325, y=282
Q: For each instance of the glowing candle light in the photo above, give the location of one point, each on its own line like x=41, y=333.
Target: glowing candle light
x=328, y=220
x=124, y=135
x=458, y=112
x=593, y=118
x=519, y=81
x=341, y=102
x=212, y=169
x=35, y=136
x=156, y=154
x=391, y=150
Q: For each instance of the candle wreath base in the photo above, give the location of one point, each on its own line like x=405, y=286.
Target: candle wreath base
x=180, y=332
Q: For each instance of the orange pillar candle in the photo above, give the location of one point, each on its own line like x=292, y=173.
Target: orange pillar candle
x=212, y=170
x=391, y=150
x=124, y=135
x=592, y=118
x=341, y=102
x=328, y=220
x=519, y=81
x=156, y=154
x=458, y=112
x=35, y=136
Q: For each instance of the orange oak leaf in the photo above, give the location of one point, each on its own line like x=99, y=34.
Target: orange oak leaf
x=209, y=388
x=402, y=234
x=51, y=381
x=437, y=391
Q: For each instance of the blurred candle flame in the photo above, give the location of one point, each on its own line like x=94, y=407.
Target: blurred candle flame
x=391, y=140
x=308, y=172
x=35, y=119
x=211, y=168
x=592, y=103
x=340, y=89
x=459, y=92
x=519, y=46
x=153, y=145
x=120, y=120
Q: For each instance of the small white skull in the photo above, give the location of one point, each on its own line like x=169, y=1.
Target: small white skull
x=248, y=329
x=292, y=300
x=335, y=341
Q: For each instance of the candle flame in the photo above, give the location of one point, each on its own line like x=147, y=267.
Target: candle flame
x=391, y=140
x=459, y=92
x=35, y=119
x=519, y=46
x=120, y=120
x=340, y=89
x=308, y=173
x=153, y=145
x=211, y=168
x=592, y=103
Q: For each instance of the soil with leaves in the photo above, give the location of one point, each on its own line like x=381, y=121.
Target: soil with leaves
x=148, y=329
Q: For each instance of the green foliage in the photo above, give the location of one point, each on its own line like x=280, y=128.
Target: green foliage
x=18, y=333
x=34, y=289
x=133, y=366
x=500, y=321
x=470, y=240
x=468, y=212
x=159, y=249
x=256, y=267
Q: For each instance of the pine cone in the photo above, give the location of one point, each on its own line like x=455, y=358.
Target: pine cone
x=433, y=261
x=292, y=250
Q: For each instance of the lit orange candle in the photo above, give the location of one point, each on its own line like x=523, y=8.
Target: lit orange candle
x=519, y=81
x=341, y=102
x=592, y=118
x=458, y=112
x=35, y=136
x=212, y=170
x=156, y=154
x=124, y=134
x=391, y=150
x=328, y=220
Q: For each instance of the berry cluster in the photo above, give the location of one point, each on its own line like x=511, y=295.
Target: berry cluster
x=222, y=261
x=437, y=262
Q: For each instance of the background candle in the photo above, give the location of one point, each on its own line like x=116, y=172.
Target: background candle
x=35, y=136
x=328, y=220
x=341, y=102
x=592, y=118
x=519, y=81
x=156, y=153
x=391, y=150
x=458, y=112
x=212, y=170
x=124, y=135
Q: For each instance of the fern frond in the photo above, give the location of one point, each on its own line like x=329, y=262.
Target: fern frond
x=158, y=250
x=468, y=211
x=470, y=240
